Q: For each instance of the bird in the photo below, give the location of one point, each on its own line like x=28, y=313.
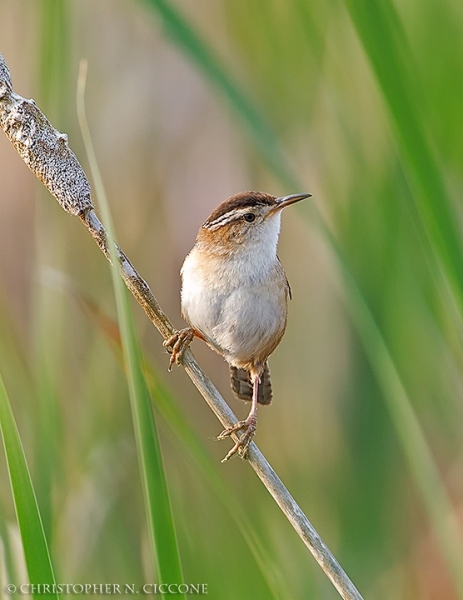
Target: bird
x=234, y=297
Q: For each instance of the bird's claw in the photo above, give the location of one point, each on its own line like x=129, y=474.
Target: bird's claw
x=178, y=343
x=242, y=445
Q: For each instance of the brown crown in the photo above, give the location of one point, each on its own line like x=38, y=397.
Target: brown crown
x=241, y=200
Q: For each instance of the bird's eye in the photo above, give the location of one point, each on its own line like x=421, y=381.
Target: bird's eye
x=249, y=217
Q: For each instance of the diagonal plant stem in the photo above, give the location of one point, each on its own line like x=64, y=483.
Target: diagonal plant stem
x=46, y=152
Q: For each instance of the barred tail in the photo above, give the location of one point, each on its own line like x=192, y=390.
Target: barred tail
x=242, y=386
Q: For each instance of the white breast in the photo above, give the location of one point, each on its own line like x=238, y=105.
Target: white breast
x=237, y=302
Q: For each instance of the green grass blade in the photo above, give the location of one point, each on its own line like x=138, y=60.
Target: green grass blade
x=381, y=33
x=199, y=457
x=434, y=206
x=186, y=38
x=52, y=84
x=35, y=546
x=437, y=501
x=421, y=462
x=196, y=453
x=158, y=508
x=155, y=485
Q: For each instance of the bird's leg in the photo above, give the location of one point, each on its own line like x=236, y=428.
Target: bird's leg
x=248, y=425
x=178, y=343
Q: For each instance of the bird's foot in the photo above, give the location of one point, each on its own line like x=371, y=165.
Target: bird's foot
x=178, y=343
x=241, y=446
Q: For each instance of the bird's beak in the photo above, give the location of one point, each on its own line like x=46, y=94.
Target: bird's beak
x=285, y=201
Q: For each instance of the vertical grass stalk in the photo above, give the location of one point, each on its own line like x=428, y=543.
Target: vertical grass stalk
x=159, y=514
x=36, y=552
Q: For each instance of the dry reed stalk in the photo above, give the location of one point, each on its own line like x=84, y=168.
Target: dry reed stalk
x=47, y=154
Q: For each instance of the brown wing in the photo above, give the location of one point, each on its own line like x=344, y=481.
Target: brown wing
x=290, y=294
x=242, y=386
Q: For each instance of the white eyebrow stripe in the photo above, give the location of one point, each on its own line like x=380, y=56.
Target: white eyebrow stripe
x=231, y=215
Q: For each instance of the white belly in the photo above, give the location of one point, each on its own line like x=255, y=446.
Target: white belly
x=238, y=311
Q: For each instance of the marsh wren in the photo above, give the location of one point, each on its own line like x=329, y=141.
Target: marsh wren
x=235, y=297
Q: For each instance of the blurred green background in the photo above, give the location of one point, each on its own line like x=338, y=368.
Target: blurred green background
x=359, y=103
